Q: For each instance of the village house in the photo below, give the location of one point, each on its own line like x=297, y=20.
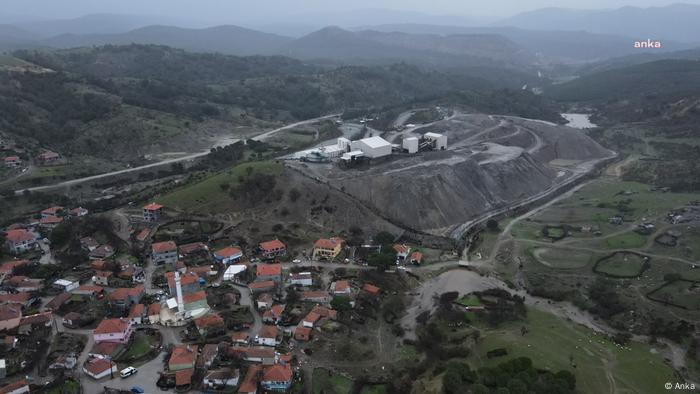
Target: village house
x=265, y=272
x=66, y=285
x=38, y=320
x=52, y=211
x=20, y=240
x=319, y=296
x=196, y=300
x=402, y=251
x=303, y=334
x=341, y=288
x=263, y=301
x=10, y=316
x=240, y=337
x=301, y=279
x=113, y=330
x=123, y=298
x=48, y=158
x=416, y=258
x=221, y=379
x=102, y=278
x=189, y=282
x=209, y=325
x=267, y=336
x=272, y=249
x=327, y=248
x=50, y=222
x=260, y=287
x=254, y=354
x=251, y=380
x=13, y=162
x=273, y=315
x=191, y=249
x=325, y=313
x=309, y=321
x=22, y=298
x=22, y=283
x=137, y=313
x=182, y=357
x=92, y=292
x=164, y=253
x=152, y=212
x=102, y=252
x=208, y=355
x=229, y=255
x=277, y=378
x=371, y=289
x=98, y=368
x=10, y=267
x=154, y=313
x=72, y=320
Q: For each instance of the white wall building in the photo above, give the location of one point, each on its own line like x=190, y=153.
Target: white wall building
x=372, y=147
x=410, y=144
x=439, y=139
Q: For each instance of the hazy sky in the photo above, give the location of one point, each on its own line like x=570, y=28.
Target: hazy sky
x=276, y=10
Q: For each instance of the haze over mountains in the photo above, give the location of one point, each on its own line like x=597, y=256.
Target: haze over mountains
x=545, y=36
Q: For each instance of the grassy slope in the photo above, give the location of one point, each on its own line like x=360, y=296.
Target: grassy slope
x=207, y=195
x=550, y=341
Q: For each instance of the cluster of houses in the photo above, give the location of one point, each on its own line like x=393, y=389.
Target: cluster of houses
x=24, y=237
x=46, y=158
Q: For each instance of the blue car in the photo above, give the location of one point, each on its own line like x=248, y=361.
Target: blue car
x=137, y=390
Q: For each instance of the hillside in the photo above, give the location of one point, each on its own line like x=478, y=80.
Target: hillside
x=122, y=103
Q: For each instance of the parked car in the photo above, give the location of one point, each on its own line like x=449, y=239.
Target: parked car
x=137, y=390
x=128, y=371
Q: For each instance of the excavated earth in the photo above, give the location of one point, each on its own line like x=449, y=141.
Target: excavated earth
x=491, y=162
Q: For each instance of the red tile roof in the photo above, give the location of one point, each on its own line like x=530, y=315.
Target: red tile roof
x=91, y=288
x=10, y=311
x=302, y=333
x=184, y=377
x=194, y=297
x=269, y=269
x=398, y=248
x=183, y=355
x=143, y=234
x=228, y=252
x=51, y=220
x=314, y=294
x=191, y=248
x=261, y=285
x=278, y=373
x=109, y=326
x=8, y=388
x=312, y=317
x=104, y=274
x=97, y=366
x=325, y=312
x=328, y=243
x=162, y=247
x=417, y=256
x=240, y=336
x=106, y=348
x=153, y=207
x=267, y=331
x=208, y=321
x=10, y=159
x=372, y=289
x=269, y=246
x=342, y=286
x=19, y=298
x=153, y=309
x=185, y=279
x=19, y=235
x=137, y=310
x=9, y=266
x=123, y=293
x=52, y=210
x=37, y=318
x=251, y=380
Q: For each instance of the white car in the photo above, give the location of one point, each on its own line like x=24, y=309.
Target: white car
x=296, y=261
x=128, y=371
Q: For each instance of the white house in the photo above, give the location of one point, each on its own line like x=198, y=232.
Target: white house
x=113, y=330
x=20, y=240
x=372, y=147
x=267, y=336
x=66, y=285
x=301, y=279
x=225, y=377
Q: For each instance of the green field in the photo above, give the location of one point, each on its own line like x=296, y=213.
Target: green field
x=621, y=265
x=11, y=61
x=630, y=240
x=562, y=258
x=208, y=195
x=326, y=382
x=601, y=366
x=469, y=300
x=373, y=389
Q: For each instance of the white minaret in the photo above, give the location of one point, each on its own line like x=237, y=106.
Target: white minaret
x=178, y=291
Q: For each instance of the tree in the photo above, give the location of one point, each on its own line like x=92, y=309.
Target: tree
x=341, y=304
x=492, y=225
x=384, y=238
x=381, y=260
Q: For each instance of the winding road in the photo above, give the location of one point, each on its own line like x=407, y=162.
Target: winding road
x=188, y=157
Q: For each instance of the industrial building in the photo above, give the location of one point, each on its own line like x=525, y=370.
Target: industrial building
x=410, y=144
x=372, y=147
x=438, y=141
